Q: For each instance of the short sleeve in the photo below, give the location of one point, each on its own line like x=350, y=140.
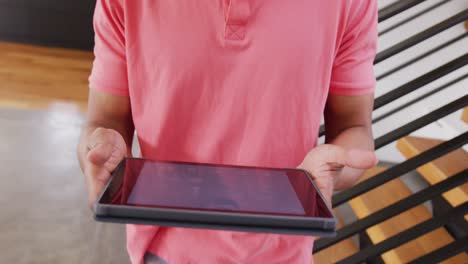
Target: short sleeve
x=109, y=72
x=353, y=70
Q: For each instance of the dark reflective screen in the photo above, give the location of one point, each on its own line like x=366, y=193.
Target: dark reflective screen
x=220, y=188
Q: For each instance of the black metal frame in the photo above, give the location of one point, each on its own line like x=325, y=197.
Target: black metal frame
x=444, y=215
x=407, y=43
x=392, y=210
x=365, y=242
x=419, y=98
x=422, y=12
x=400, y=169
x=422, y=56
x=444, y=253
x=396, y=8
x=415, y=84
x=406, y=236
x=421, y=122
x=457, y=228
x=421, y=81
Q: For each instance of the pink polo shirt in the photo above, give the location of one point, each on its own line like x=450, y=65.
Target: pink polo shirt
x=230, y=82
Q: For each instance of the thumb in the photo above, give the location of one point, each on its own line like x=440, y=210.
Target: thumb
x=100, y=154
x=360, y=159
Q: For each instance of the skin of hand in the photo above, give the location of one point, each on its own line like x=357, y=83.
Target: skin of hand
x=326, y=163
x=105, y=149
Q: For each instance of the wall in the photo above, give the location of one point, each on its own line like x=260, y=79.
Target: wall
x=61, y=23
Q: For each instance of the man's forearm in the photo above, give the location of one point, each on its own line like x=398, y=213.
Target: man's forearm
x=359, y=137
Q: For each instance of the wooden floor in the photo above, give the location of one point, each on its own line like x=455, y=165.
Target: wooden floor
x=43, y=93
x=37, y=77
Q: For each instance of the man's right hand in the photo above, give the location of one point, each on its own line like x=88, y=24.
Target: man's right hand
x=105, y=148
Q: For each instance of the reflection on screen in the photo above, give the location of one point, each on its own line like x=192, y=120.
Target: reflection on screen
x=207, y=187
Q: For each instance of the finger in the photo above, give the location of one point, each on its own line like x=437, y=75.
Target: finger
x=336, y=155
x=360, y=159
x=100, y=154
x=92, y=196
x=333, y=166
x=94, y=193
x=96, y=178
x=97, y=173
x=354, y=158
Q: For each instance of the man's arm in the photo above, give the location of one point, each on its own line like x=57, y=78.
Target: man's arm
x=348, y=124
x=106, y=138
x=350, y=148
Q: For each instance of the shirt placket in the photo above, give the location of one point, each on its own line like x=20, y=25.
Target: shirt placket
x=237, y=15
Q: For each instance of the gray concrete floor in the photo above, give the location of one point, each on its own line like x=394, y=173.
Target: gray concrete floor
x=44, y=216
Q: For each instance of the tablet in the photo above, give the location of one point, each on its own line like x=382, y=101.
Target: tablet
x=250, y=199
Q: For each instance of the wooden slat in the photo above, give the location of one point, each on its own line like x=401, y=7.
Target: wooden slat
x=388, y=194
x=465, y=115
x=338, y=251
x=38, y=77
x=439, y=169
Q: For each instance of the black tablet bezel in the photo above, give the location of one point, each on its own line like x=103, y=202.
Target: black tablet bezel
x=250, y=222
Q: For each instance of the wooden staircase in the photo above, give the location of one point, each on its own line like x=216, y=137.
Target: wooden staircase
x=465, y=115
x=395, y=190
x=338, y=251
x=439, y=169
x=386, y=195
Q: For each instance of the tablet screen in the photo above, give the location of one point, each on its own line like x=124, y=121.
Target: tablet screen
x=217, y=188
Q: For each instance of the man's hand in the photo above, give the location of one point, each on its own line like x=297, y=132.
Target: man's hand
x=326, y=163
x=105, y=148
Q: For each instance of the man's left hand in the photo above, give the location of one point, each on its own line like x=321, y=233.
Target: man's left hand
x=326, y=163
